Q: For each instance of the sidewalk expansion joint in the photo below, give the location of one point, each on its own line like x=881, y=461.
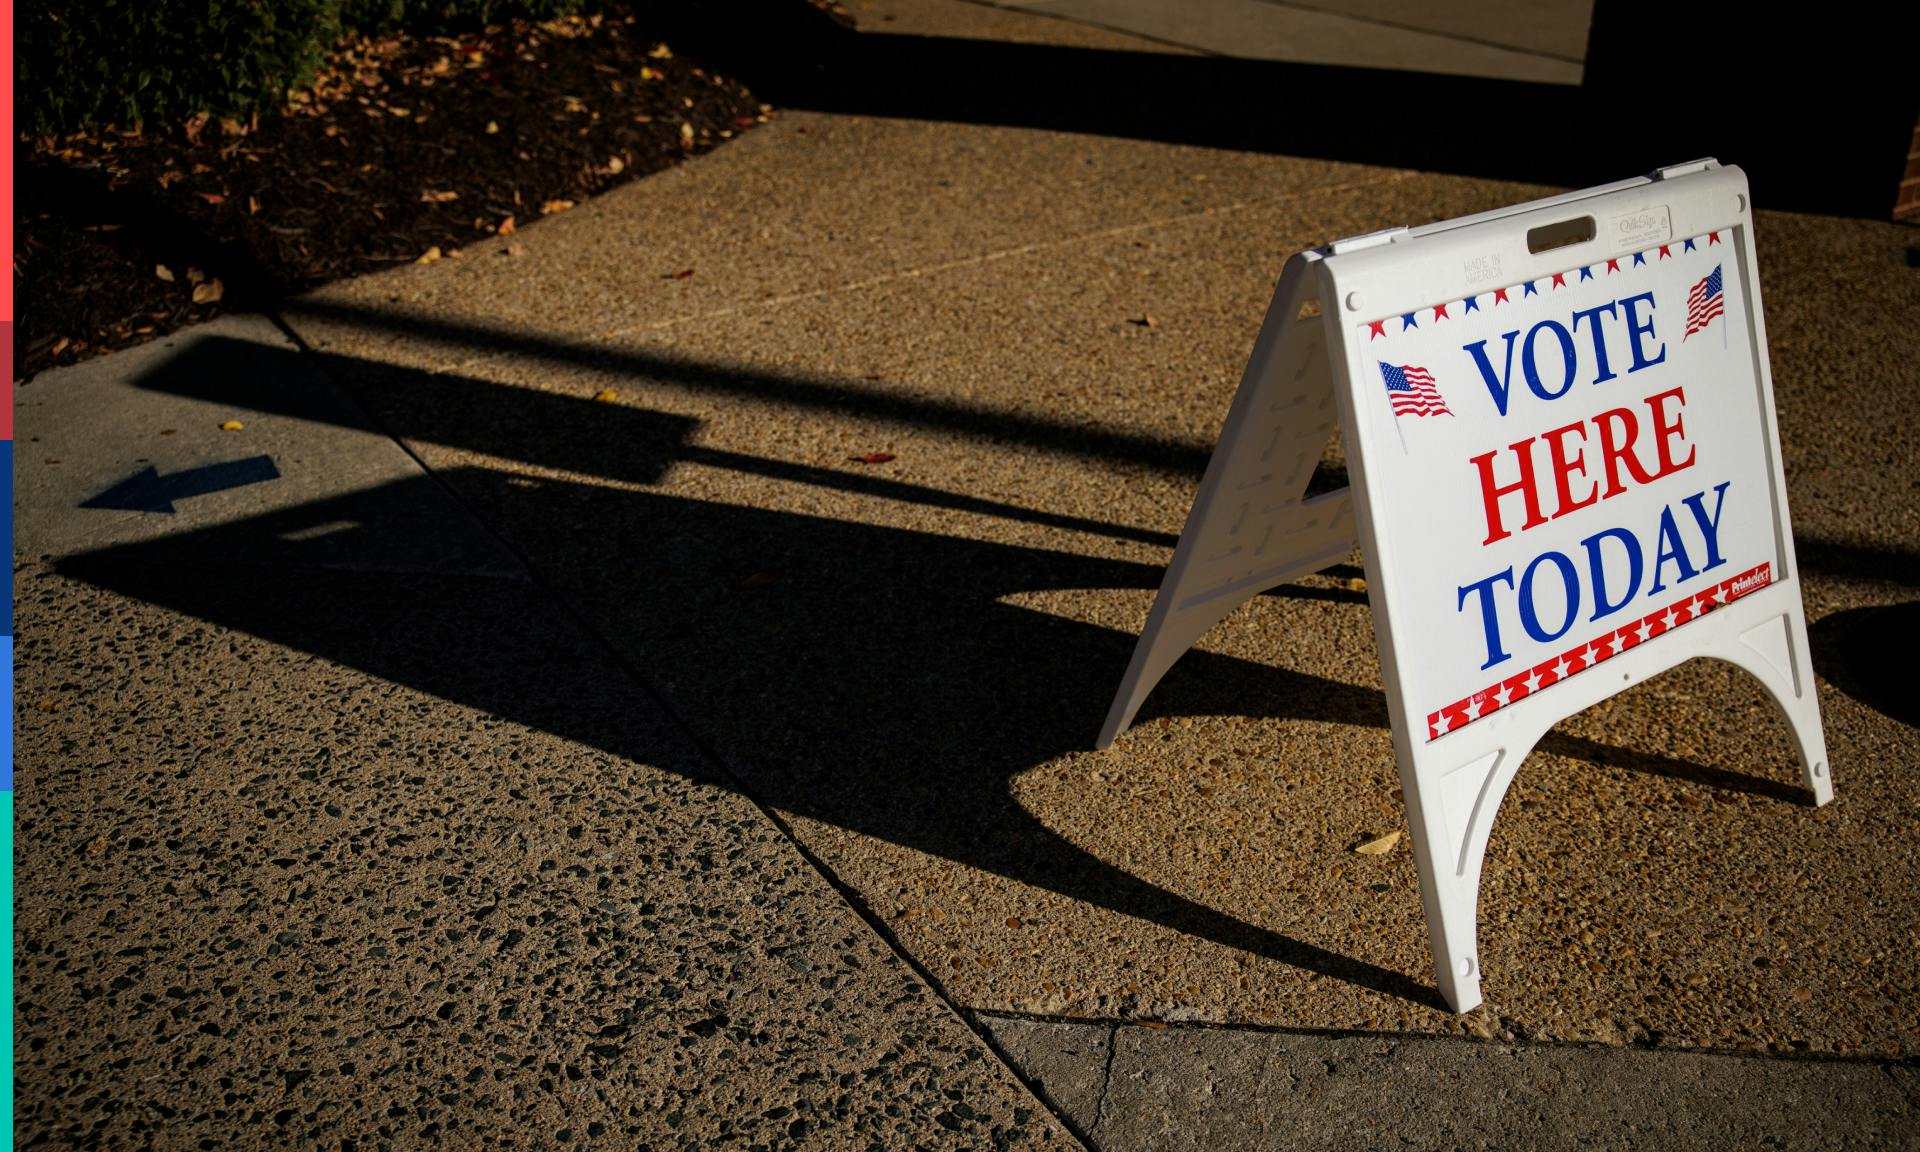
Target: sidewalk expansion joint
x=1518, y=1041
x=978, y=260
x=1014, y=252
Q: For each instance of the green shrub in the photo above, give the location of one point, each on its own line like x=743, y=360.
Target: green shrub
x=132, y=61
x=83, y=62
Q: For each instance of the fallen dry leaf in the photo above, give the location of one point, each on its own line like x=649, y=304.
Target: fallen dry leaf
x=211, y=197
x=429, y=256
x=686, y=132
x=232, y=426
x=1144, y=322
x=874, y=458
x=164, y=272
x=680, y=275
x=605, y=396
x=661, y=52
x=1379, y=845
x=1356, y=584
x=616, y=165
x=208, y=293
x=506, y=227
x=493, y=128
x=432, y=197
x=552, y=206
x=649, y=74
x=194, y=275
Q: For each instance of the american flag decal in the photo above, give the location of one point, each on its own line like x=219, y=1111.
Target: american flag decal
x=1410, y=389
x=1704, y=302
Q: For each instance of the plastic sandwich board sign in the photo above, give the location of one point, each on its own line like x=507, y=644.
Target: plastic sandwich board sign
x=1565, y=478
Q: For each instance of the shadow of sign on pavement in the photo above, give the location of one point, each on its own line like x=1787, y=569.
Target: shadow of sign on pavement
x=858, y=677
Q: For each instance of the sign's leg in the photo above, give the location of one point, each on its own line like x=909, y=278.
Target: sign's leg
x=1161, y=643
x=1252, y=525
x=1453, y=791
x=1772, y=645
x=1452, y=928
x=1454, y=784
x=1174, y=626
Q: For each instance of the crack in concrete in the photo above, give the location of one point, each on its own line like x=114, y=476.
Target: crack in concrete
x=1908, y=1087
x=1263, y=1095
x=1106, y=1082
x=1421, y=30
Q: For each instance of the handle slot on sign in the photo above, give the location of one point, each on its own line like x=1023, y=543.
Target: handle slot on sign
x=1547, y=237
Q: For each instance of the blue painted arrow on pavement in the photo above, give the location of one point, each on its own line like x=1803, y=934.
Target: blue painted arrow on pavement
x=148, y=491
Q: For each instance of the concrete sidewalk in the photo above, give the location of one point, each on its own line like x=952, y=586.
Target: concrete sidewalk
x=641, y=572
x=338, y=831
x=1543, y=42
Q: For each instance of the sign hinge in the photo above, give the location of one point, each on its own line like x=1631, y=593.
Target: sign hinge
x=1370, y=240
x=1675, y=171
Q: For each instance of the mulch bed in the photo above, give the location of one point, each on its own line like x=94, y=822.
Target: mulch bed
x=405, y=148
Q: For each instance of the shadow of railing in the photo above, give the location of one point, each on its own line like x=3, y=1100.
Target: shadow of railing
x=869, y=677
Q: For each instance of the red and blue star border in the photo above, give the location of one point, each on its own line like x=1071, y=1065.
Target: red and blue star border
x=1597, y=650
x=1390, y=326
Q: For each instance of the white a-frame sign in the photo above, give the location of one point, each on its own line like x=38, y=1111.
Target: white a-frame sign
x=1566, y=478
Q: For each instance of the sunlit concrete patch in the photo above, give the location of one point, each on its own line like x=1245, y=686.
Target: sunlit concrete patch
x=751, y=221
